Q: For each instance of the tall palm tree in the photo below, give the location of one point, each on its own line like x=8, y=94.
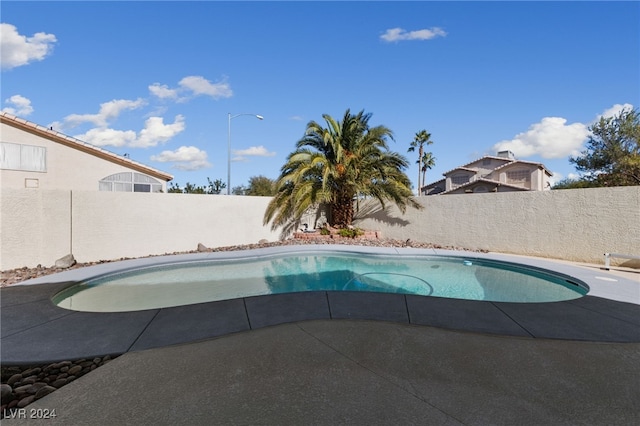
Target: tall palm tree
x=428, y=161
x=338, y=164
x=421, y=139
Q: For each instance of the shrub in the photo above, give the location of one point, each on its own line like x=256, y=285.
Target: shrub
x=350, y=232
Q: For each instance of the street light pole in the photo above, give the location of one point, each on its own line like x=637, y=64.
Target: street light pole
x=230, y=117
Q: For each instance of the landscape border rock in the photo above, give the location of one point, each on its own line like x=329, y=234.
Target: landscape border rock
x=22, y=385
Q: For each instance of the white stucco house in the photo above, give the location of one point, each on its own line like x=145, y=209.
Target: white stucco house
x=33, y=156
x=500, y=173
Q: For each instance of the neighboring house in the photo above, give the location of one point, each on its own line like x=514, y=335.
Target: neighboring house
x=501, y=173
x=32, y=156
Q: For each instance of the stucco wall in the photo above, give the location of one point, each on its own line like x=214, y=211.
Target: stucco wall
x=40, y=226
x=576, y=224
x=67, y=168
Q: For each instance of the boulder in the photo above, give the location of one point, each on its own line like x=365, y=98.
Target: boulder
x=66, y=262
x=202, y=247
x=5, y=392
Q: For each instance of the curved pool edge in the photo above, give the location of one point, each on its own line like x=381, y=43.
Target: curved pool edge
x=36, y=331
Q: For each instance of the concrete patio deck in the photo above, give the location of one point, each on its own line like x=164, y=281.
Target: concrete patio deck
x=342, y=358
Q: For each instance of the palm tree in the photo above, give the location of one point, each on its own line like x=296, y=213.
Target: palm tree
x=428, y=161
x=337, y=165
x=419, y=140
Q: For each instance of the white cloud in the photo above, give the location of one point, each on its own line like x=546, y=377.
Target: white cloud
x=614, y=110
x=20, y=106
x=200, y=86
x=552, y=137
x=163, y=91
x=185, y=158
x=256, y=151
x=17, y=50
x=191, y=86
x=108, y=111
x=108, y=137
x=155, y=132
x=399, y=34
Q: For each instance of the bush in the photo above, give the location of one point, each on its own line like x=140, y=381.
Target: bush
x=350, y=232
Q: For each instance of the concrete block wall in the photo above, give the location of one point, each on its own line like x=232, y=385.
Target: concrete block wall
x=40, y=226
x=577, y=224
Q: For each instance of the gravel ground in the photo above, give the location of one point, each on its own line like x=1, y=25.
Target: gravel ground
x=17, y=275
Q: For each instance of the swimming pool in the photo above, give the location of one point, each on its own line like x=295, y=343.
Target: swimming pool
x=185, y=283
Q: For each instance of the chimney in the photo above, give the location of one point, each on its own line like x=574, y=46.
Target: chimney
x=506, y=154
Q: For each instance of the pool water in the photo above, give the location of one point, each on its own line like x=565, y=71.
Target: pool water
x=205, y=281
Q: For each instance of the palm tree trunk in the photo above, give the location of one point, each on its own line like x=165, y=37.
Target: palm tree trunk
x=419, y=170
x=342, y=210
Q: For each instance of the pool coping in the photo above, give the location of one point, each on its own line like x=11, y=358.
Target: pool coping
x=34, y=330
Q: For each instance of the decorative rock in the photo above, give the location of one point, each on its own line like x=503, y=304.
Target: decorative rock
x=44, y=391
x=75, y=370
x=26, y=401
x=59, y=383
x=14, y=379
x=64, y=369
x=35, y=388
x=202, y=247
x=66, y=262
x=96, y=361
x=22, y=389
x=263, y=241
x=29, y=380
x=5, y=393
x=31, y=372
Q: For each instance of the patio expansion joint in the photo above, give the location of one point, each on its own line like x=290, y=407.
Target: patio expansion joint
x=598, y=312
x=246, y=312
x=326, y=295
x=512, y=319
x=44, y=299
x=38, y=325
x=143, y=330
x=411, y=392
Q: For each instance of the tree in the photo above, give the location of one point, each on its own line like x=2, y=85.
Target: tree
x=568, y=183
x=338, y=164
x=612, y=157
x=261, y=186
x=214, y=187
x=239, y=190
x=428, y=161
x=421, y=139
x=174, y=188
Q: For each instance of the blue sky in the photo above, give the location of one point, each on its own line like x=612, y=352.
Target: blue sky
x=156, y=80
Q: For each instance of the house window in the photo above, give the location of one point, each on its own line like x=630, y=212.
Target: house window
x=27, y=158
x=518, y=176
x=129, y=182
x=459, y=179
